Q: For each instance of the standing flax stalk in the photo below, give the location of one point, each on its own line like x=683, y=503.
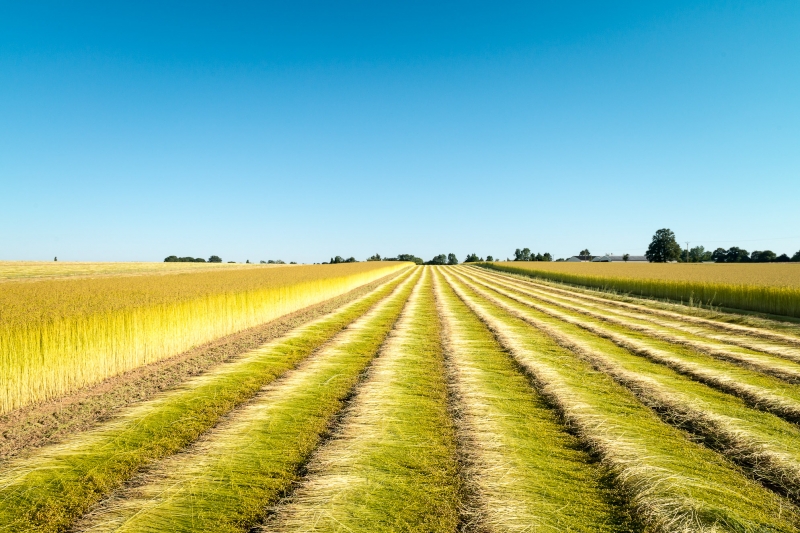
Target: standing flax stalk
x=527, y=471
x=672, y=483
x=228, y=479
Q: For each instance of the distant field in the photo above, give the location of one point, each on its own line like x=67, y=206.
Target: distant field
x=761, y=274
x=19, y=270
x=440, y=399
x=766, y=288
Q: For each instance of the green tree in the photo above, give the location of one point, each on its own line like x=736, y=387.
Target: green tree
x=522, y=255
x=625, y=257
x=547, y=257
x=440, y=259
x=451, y=259
x=767, y=256
x=663, y=247
x=472, y=258
x=585, y=251
x=215, y=259
x=489, y=258
x=796, y=257
x=736, y=255
x=376, y=257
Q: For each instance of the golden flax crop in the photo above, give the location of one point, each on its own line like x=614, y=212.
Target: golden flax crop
x=763, y=288
x=58, y=335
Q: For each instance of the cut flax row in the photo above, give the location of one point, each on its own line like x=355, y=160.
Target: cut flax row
x=526, y=471
x=392, y=464
x=672, y=483
x=762, y=391
x=60, y=335
x=777, y=359
x=227, y=480
x=675, y=312
x=761, y=442
x=47, y=489
x=704, y=338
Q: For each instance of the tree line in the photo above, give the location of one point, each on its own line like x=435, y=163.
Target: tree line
x=664, y=248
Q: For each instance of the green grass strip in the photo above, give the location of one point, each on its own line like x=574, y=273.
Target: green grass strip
x=392, y=467
x=528, y=472
x=768, y=357
x=761, y=442
x=49, y=488
x=226, y=481
x=762, y=391
x=673, y=483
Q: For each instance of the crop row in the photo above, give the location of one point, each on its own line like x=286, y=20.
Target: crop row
x=449, y=399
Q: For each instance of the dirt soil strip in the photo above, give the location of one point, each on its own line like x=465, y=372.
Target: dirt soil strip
x=51, y=422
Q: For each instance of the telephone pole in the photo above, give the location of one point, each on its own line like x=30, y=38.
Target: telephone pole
x=687, y=251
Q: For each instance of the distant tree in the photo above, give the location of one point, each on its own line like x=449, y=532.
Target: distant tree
x=292, y=262
x=406, y=257
x=560, y=259
x=736, y=255
x=522, y=255
x=489, y=258
x=625, y=257
x=767, y=256
x=376, y=257
x=247, y=262
x=262, y=262
x=440, y=259
x=215, y=259
x=796, y=257
x=783, y=258
x=350, y=260
x=719, y=255
x=539, y=257
x=472, y=258
x=171, y=259
x=452, y=259
x=547, y=257
x=55, y=258
x=231, y=261
x=663, y=247
x=585, y=251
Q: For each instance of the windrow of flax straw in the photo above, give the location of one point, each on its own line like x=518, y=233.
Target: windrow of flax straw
x=392, y=465
x=60, y=335
x=761, y=442
x=748, y=296
x=672, y=483
x=527, y=472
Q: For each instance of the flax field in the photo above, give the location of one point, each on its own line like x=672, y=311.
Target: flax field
x=440, y=399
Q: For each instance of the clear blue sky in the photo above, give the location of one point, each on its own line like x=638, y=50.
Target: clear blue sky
x=301, y=130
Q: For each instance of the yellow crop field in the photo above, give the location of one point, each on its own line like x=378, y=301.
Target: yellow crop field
x=765, y=288
x=57, y=335
x=35, y=270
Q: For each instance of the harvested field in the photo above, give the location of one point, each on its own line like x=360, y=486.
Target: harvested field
x=448, y=399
